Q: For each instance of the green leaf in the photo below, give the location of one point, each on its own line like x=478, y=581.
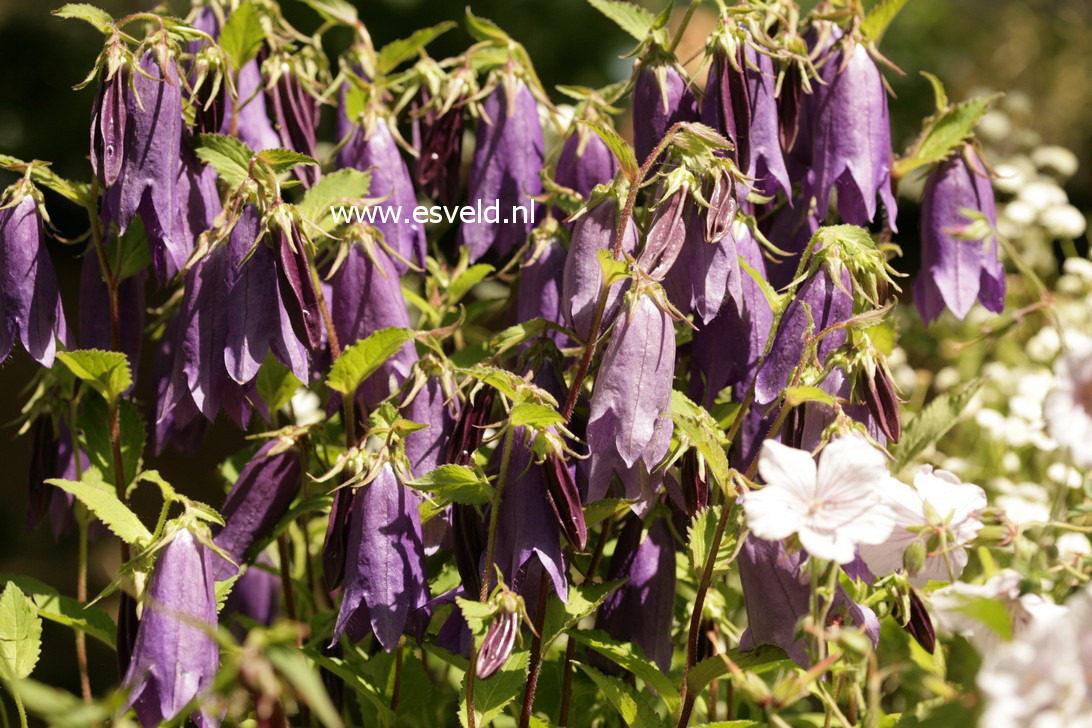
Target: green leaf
x=773, y=298
x=596, y=511
x=306, y=682
x=20, y=634
x=336, y=11
x=881, y=15
x=223, y=589
x=700, y=534
x=492, y=695
x=583, y=600
x=227, y=155
x=944, y=132
x=94, y=426
x=359, y=361
x=510, y=384
x=796, y=396
x=515, y=335
x=483, y=29
x=336, y=187
x=989, y=612
x=87, y=13
x=56, y=607
x=629, y=657
x=60, y=708
x=759, y=659
x=106, y=371
x=361, y=684
x=618, y=146
x=455, y=483
x=108, y=509
x=628, y=703
x=275, y=383
x=394, y=53
x=280, y=159
x=531, y=414
x=241, y=37
x=931, y=424
x=629, y=16
x=467, y=280
x=703, y=432
x=129, y=255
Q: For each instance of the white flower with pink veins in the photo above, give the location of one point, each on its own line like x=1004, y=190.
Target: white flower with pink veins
x=831, y=508
x=937, y=516
x=1068, y=406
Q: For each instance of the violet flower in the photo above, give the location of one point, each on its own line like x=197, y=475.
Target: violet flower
x=51, y=456
x=297, y=287
x=297, y=115
x=582, y=278
x=175, y=657
x=374, y=149
x=94, y=332
x=255, y=595
x=197, y=200
x=507, y=162
x=956, y=272
x=427, y=448
x=851, y=139
x=656, y=107
x=180, y=423
x=251, y=121
x=30, y=303
x=706, y=273
x=541, y=280
x=585, y=162
x=642, y=609
x=108, y=116
x=255, y=504
x=777, y=594
x=385, y=569
x=439, y=143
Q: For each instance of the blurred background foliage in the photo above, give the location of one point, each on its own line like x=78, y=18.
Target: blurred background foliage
x=1036, y=51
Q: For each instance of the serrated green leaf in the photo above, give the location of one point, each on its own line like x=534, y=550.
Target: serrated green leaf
x=455, y=483
x=360, y=360
x=931, y=424
x=242, y=35
x=880, y=17
x=227, y=155
x=466, y=280
x=56, y=607
x=360, y=683
x=275, y=383
x=394, y=53
x=20, y=634
x=583, y=600
x=629, y=657
x=618, y=146
x=280, y=159
x=703, y=432
x=515, y=335
x=510, y=384
x=60, y=708
x=537, y=416
x=796, y=396
x=338, y=11
x=223, y=589
x=87, y=13
x=629, y=16
x=483, y=28
x=94, y=426
x=306, y=683
x=773, y=299
x=700, y=534
x=106, y=371
x=108, y=509
x=129, y=255
x=628, y=702
x=344, y=184
x=759, y=659
x=596, y=511
x=492, y=695
x=944, y=132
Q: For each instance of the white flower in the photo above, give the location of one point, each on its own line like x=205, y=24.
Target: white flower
x=306, y=407
x=1068, y=406
x=1056, y=159
x=1043, y=678
x=1063, y=221
x=831, y=508
x=1042, y=193
x=1072, y=545
x=940, y=512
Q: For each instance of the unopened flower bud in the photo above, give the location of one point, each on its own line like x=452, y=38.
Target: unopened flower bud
x=913, y=559
x=498, y=643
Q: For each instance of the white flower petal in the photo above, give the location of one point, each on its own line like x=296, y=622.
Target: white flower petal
x=787, y=467
x=773, y=513
x=849, y=468
x=825, y=545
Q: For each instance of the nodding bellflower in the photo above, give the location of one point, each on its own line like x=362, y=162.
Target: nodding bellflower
x=297, y=115
x=508, y=160
x=439, y=143
x=661, y=98
x=959, y=262
x=175, y=657
x=94, y=315
x=585, y=162
x=541, y=280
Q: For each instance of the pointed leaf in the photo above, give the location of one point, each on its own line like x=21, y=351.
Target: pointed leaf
x=455, y=483
x=394, y=53
x=227, y=155
x=881, y=15
x=931, y=424
x=344, y=184
x=618, y=146
x=630, y=657
x=108, y=509
x=700, y=535
x=241, y=37
x=106, y=371
x=20, y=634
x=629, y=16
x=492, y=695
x=56, y=607
x=87, y=13
x=360, y=360
x=628, y=702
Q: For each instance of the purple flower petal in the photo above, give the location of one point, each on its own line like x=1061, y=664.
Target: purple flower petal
x=583, y=275
x=585, y=162
x=95, y=312
x=656, y=110
x=427, y=448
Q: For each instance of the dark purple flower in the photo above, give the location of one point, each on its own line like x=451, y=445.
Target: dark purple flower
x=564, y=498
x=956, y=272
x=385, y=569
x=668, y=233
x=257, y=319
x=467, y=529
x=108, y=127
x=851, y=139
x=336, y=541
x=181, y=424
x=426, y=449
x=378, y=152
x=95, y=312
x=439, y=143
x=147, y=180
x=30, y=304
x=777, y=594
x=693, y=483
x=706, y=273
x=805, y=425
x=251, y=121
x=641, y=610
x=540, y=282
x=882, y=402
x=585, y=162
x=255, y=594
x=51, y=456
x=508, y=159
x=198, y=200
x=790, y=229
x=258, y=499
x=175, y=657
x=656, y=107
x=297, y=115
x=583, y=276
x=297, y=287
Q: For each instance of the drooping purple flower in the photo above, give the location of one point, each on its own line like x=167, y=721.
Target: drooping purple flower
x=297, y=287
x=51, y=456
x=667, y=234
x=851, y=139
x=108, y=127
x=438, y=139
x=790, y=229
x=175, y=658
x=297, y=115
x=805, y=425
x=540, y=282
x=508, y=159
x=376, y=150
x=777, y=594
x=467, y=529
x=251, y=121
x=30, y=303
x=498, y=644
x=585, y=162
x=95, y=312
x=147, y=180
x=181, y=424
x=657, y=108
x=258, y=499
x=197, y=200
x=254, y=595
x=385, y=569
x=564, y=497
x=706, y=273
x=367, y=297
x=956, y=272
x=583, y=276
x=641, y=610
x=829, y=305
x=427, y=448
x=257, y=319
x=335, y=544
